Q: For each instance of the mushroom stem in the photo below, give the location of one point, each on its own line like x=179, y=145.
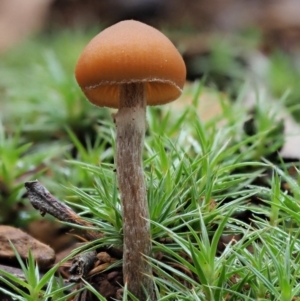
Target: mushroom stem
x=131, y=125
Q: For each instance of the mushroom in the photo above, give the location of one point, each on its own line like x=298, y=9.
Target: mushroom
x=128, y=66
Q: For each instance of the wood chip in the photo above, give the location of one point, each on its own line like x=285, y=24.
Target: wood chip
x=23, y=242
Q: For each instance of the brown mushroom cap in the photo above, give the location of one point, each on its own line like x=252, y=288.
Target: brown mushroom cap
x=130, y=52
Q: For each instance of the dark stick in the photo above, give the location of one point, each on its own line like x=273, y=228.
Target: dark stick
x=42, y=200
x=82, y=265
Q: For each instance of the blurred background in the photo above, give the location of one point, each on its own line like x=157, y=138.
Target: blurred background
x=278, y=21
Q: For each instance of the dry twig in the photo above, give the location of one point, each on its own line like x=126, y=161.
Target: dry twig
x=42, y=200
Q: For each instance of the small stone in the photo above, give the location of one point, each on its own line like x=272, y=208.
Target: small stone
x=104, y=257
x=112, y=275
x=23, y=242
